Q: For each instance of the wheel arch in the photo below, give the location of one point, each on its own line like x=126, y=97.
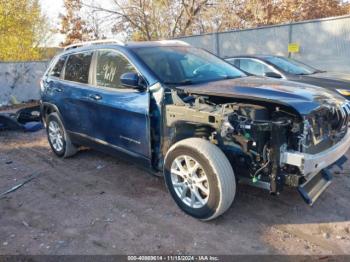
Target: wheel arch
x=182, y=130
x=48, y=108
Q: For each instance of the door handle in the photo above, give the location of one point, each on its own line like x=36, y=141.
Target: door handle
x=95, y=97
x=57, y=89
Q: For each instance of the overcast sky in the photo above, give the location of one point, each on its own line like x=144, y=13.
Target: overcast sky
x=52, y=9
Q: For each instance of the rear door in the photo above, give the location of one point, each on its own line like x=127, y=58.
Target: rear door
x=120, y=115
x=52, y=84
x=75, y=93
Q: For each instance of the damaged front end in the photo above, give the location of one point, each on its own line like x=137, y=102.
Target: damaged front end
x=325, y=139
x=269, y=145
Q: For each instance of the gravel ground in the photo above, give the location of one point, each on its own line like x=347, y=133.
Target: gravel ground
x=97, y=204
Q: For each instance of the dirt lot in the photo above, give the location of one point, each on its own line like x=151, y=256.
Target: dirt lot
x=96, y=204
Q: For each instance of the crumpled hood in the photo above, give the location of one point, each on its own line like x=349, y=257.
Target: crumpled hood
x=302, y=97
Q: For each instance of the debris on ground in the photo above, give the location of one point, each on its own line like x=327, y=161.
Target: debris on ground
x=14, y=188
x=25, y=119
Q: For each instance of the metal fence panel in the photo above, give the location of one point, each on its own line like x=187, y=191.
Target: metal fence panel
x=207, y=42
x=325, y=43
x=272, y=40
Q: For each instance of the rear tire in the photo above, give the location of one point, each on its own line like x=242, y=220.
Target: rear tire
x=199, y=178
x=58, y=138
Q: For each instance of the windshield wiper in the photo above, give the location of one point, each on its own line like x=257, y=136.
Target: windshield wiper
x=303, y=74
x=184, y=82
x=319, y=71
x=232, y=77
x=191, y=82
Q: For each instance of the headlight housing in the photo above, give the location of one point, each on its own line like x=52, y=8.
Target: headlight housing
x=344, y=92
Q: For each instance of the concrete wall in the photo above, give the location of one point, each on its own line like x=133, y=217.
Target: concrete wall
x=20, y=80
x=325, y=43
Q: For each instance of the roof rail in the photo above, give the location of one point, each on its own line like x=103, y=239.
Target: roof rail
x=175, y=41
x=95, y=42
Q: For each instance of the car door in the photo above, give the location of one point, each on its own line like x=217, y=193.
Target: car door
x=120, y=116
x=75, y=106
x=51, y=90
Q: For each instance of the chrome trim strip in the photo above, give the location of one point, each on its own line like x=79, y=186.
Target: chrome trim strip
x=102, y=142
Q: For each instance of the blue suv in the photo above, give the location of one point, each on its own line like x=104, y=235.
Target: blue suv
x=194, y=118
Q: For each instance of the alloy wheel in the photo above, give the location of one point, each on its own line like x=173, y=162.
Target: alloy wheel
x=56, y=136
x=190, y=181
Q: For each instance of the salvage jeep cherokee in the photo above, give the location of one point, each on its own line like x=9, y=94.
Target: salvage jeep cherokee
x=186, y=113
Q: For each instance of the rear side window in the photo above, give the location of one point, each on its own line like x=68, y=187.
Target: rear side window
x=110, y=66
x=56, y=71
x=78, y=67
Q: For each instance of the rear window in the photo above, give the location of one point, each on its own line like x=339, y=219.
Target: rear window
x=56, y=71
x=78, y=67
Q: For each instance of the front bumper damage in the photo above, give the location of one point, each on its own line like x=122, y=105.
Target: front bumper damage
x=311, y=164
x=313, y=168
x=315, y=186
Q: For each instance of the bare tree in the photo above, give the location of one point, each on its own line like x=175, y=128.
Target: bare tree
x=164, y=19
x=73, y=26
x=157, y=19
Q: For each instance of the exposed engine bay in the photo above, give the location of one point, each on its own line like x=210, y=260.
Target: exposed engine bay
x=254, y=135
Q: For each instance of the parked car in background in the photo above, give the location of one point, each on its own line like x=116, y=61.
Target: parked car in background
x=290, y=69
x=194, y=118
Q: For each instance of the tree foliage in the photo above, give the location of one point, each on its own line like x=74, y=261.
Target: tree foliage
x=73, y=26
x=266, y=12
x=22, y=30
x=163, y=19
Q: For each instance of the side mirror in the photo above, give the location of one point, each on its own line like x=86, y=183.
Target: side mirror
x=272, y=74
x=132, y=80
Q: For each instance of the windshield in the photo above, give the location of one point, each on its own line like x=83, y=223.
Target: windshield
x=185, y=65
x=291, y=66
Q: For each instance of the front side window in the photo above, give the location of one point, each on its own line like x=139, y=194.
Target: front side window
x=78, y=67
x=254, y=67
x=110, y=66
x=58, y=67
x=183, y=65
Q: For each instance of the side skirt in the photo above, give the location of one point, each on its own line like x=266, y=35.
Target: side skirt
x=102, y=146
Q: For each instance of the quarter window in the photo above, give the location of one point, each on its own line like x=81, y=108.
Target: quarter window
x=78, y=67
x=110, y=66
x=57, y=69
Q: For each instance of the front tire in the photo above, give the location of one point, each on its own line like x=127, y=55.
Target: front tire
x=58, y=138
x=199, y=178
